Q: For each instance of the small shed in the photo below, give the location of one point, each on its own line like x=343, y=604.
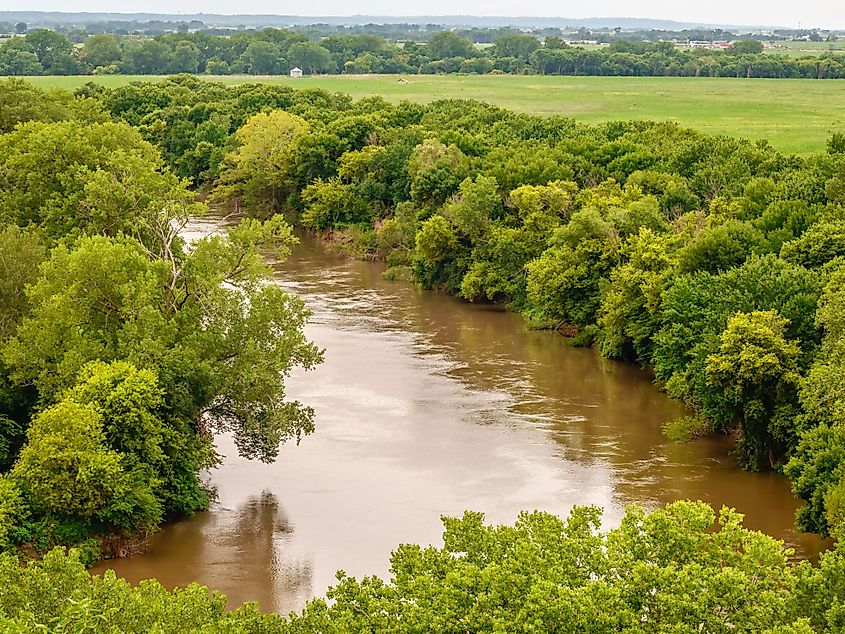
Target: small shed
x=296, y=72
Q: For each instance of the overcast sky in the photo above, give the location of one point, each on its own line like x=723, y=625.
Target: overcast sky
x=821, y=13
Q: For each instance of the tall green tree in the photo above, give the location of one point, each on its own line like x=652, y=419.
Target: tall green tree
x=257, y=174
x=220, y=340
x=756, y=367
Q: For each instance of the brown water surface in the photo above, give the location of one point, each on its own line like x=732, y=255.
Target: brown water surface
x=426, y=406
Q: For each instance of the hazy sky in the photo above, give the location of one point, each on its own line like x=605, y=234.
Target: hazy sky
x=822, y=13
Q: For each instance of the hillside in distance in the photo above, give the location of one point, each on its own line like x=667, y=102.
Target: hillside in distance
x=258, y=21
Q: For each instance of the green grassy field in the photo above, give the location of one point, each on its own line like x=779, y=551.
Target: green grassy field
x=795, y=50
x=795, y=115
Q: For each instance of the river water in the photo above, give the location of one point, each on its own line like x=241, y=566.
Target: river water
x=427, y=406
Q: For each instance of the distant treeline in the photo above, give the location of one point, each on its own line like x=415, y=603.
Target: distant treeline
x=277, y=51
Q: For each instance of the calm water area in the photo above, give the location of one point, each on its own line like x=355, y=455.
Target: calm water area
x=426, y=406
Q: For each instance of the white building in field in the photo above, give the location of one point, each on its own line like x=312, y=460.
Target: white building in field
x=296, y=72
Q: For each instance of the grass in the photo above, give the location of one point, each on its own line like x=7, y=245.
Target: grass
x=795, y=115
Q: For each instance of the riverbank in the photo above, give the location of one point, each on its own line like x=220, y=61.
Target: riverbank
x=427, y=405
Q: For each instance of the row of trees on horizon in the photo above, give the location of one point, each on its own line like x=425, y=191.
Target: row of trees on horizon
x=277, y=51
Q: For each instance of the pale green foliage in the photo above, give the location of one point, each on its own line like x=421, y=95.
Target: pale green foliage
x=475, y=206
x=12, y=508
x=20, y=102
x=109, y=286
x=686, y=428
x=436, y=241
x=754, y=354
x=820, y=244
x=330, y=203
x=679, y=569
x=356, y=165
x=630, y=305
x=70, y=178
x=436, y=171
x=555, y=199
x=65, y=467
x=127, y=399
x=56, y=594
x=21, y=252
x=256, y=173
x=756, y=368
x=160, y=453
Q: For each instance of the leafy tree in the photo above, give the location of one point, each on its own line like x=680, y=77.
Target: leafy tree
x=757, y=370
x=257, y=172
x=679, y=568
x=70, y=178
x=58, y=593
x=331, y=203
x=436, y=171
x=721, y=247
x=219, y=339
x=12, y=509
x=520, y=46
x=498, y=271
x=564, y=284
x=186, y=58
x=262, y=58
x=65, y=467
x=631, y=301
x=311, y=58
x=20, y=101
x=101, y=50
x=446, y=44
x=476, y=205
x=696, y=308
x=53, y=50
x=129, y=402
x=436, y=241
x=16, y=62
x=746, y=47
x=817, y=473
x=147, y=57
x=21, y=253
x=822, y=242
x=817, y=469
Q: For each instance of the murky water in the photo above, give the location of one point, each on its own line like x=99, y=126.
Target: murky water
x=426, y=406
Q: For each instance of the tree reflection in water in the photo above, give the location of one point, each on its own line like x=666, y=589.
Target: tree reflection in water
x=241, y=551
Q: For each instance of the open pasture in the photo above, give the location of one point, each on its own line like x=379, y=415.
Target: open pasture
x=795, y=115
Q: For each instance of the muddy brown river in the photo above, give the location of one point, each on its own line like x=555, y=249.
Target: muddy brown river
x=426, y=406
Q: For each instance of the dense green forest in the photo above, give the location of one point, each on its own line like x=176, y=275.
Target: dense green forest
x=276, y=51
x=716, y=262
